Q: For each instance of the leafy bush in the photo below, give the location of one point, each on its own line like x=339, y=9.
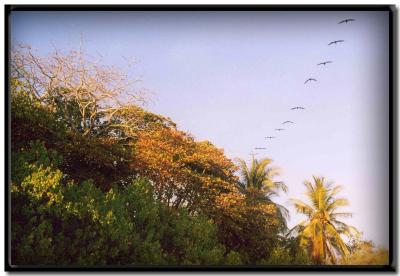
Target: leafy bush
x=366, y=253
x=60, y=222
x=282, y=256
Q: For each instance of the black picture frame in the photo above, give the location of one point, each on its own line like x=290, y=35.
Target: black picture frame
x=393, y=113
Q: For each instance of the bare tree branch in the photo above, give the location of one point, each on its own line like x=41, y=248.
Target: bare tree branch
x=100, y=92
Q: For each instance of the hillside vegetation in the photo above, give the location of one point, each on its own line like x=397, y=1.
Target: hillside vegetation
x=99, y=180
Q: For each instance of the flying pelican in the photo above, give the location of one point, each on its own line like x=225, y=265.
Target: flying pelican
x=335, y=42
x=297, y=107
x=310, y=79
x=279, y=129
x=270, y=137
x=260, y=148
x=324, y=63
x=287, y=122
x=346, y=20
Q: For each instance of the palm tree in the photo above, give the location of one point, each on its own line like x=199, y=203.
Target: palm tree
x=257, y=183
x=322, y=231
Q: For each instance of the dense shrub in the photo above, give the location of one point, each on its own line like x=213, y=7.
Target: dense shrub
x=60, y=222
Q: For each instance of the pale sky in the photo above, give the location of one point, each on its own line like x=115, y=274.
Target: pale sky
x=232, y=77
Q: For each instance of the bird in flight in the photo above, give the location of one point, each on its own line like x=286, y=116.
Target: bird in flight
x=279, y=129
x=324, y=63
x=287, y=122
x=335, y=42
x=269, y=137
x=310, y=79
x=297, y=107
x=346, y=20
x=260, y=148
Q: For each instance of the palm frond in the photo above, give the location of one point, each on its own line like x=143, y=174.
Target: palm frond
x=297, y=229
x=333, y=235
x=341, y=215
x=302, y=207
x=340, y=202
x=280, y=185
x=336, y=190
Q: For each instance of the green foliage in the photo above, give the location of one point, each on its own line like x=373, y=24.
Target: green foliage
x=67, y=110
x=30, y=120
x=233, y=258
x=65, y=223
x=83, y=157
x=365, y=253
x=288, y=252
x=281, y=256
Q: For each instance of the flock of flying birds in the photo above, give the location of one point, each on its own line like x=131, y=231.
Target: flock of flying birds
x=307, y=81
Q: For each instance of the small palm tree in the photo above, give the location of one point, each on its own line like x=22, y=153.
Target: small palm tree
x=257, y=182
x=322, y=231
